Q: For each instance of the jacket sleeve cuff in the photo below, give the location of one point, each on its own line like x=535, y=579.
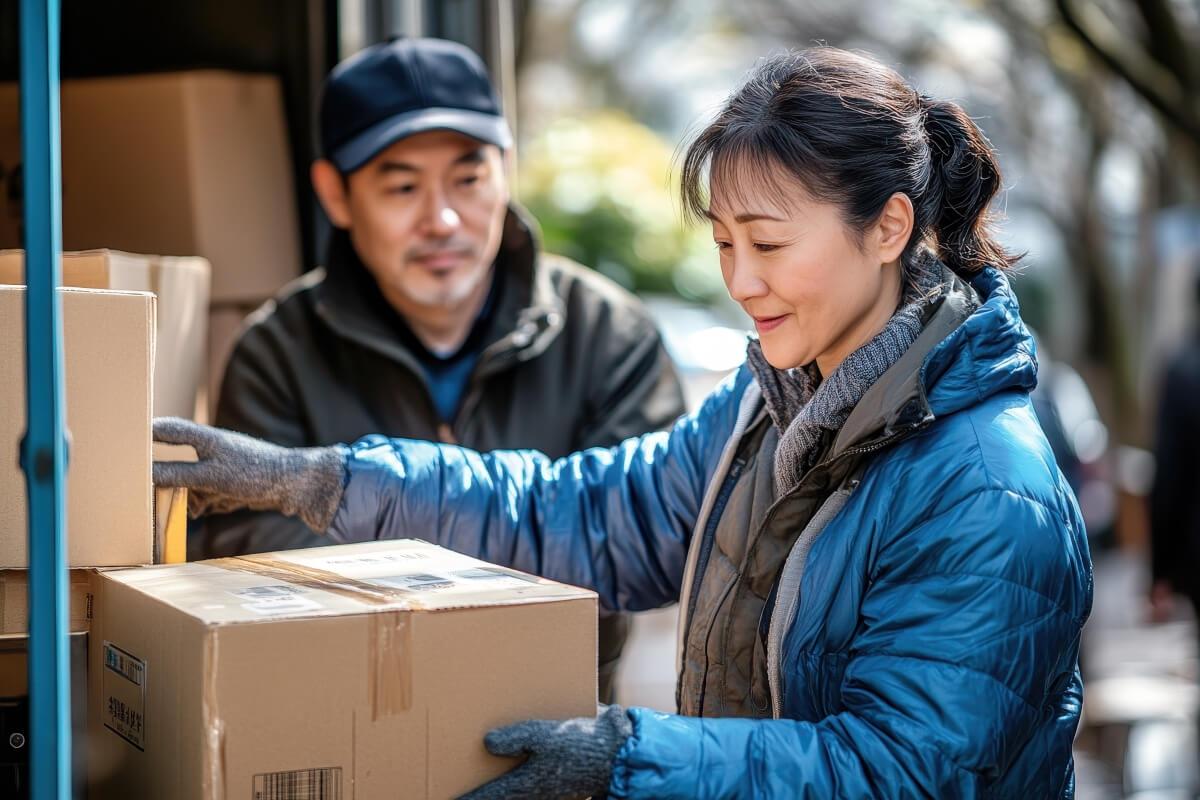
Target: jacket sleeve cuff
x=374, y=472
x=660, y=759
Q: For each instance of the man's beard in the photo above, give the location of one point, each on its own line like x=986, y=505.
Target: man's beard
x=448, y=293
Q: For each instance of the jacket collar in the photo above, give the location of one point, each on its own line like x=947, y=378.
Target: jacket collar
x=528, y=316
x=973, y=345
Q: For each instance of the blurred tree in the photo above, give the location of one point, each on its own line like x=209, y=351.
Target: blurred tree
x=1081, y=145
x=1154, y=46
x=1150, y=49
x=1068, y=191
x=599, y=186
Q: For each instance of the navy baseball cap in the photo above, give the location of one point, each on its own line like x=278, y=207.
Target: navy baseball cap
x=402, y=87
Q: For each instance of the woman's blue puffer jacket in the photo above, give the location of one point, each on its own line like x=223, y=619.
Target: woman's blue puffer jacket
x=934, y=650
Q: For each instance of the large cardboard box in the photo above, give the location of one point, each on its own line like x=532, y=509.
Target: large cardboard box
x=181, y=286
x=368, y=670
x=108, y=355
x=185, y=164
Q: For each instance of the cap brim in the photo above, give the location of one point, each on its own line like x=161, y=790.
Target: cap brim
x=487, y=128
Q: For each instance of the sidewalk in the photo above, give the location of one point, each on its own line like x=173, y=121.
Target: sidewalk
x=1137, y=738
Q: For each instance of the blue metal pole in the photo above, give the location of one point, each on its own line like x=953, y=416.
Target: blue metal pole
x=44, y=450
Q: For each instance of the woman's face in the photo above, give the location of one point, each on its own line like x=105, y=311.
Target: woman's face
x=814, y=292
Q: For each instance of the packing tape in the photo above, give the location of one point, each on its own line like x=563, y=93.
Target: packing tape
x=323, y=580
x=389, y=638
x=389, y=645
x=310, y=578
x=214, y=728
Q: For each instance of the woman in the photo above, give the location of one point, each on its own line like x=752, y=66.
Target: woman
x=882, y=573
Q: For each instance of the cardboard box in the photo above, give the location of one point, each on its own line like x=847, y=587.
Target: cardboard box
x=370, y=670
x=108, y=357
x=189, y=163
x=181, y=286
x=14, y=600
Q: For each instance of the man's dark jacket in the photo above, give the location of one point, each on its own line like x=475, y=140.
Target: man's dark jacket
x=569, y=361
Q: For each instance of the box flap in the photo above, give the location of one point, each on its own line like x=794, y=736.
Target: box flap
x=396, y=575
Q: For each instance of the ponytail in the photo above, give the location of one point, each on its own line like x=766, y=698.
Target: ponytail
x=963, y=179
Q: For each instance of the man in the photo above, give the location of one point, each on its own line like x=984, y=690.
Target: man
x=436, y=317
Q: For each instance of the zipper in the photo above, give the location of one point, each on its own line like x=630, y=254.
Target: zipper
x=781, y=618
x=490, y=362
x=748, y=407
x=710, y=537
x=706, y=546
x=710, y=529
x=788, y=598
x=866, y=449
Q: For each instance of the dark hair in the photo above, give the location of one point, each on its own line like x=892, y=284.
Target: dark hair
x=853, y=132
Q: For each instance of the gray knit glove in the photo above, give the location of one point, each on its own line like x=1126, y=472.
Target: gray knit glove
x=237, y=471
x=570, y=759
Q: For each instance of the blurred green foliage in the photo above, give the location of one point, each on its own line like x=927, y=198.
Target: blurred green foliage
x=600, y=187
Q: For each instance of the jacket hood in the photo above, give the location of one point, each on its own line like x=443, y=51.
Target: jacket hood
x=990, y=352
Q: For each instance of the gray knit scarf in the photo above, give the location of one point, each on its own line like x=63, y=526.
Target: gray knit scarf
x=805, y=408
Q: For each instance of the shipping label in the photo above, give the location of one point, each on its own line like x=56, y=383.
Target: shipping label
x=123, y=690
x=276, y=599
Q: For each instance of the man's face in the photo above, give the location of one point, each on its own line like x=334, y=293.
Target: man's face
x=426, y=216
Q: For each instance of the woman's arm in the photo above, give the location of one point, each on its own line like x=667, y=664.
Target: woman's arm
x=616, y=519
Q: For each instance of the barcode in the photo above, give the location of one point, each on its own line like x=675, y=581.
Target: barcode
x=300, y=784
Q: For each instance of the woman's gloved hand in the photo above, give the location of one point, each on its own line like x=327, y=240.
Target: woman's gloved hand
x=236, y=471
x=565, y=759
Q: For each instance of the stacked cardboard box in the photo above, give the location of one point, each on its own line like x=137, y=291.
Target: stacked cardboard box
x=108, y=346
x=370, y=670
x=181, y=288
x=108, y=352
x=185, y=164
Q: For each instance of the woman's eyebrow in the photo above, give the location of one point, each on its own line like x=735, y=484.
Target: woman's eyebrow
x=744, y=217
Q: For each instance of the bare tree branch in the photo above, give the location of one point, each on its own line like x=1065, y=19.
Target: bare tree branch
x=1154, y=82
x=1167, y=41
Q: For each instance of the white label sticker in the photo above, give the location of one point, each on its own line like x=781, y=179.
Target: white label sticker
x=124, y=695
x=272, y=591
x=276, y=599
x=455, y=582
x=372, y=559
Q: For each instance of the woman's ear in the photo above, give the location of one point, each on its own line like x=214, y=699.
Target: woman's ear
x=332, y=189
x=894, y=228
